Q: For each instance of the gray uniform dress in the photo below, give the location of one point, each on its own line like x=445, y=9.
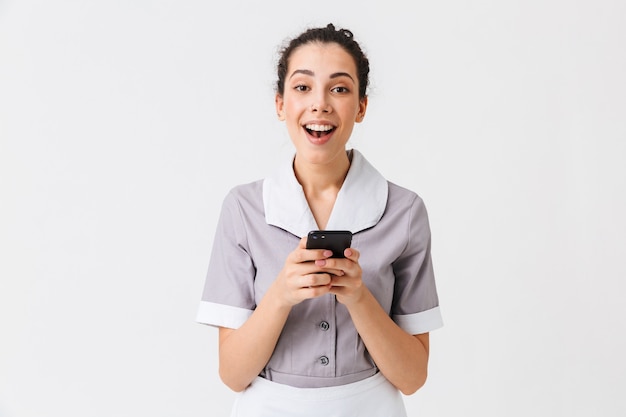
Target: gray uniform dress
x=262, y=222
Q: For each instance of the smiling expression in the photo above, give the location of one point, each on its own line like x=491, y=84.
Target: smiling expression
x=321, y=101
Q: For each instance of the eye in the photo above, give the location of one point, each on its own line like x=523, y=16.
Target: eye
x=340, y=90
x=301, y=88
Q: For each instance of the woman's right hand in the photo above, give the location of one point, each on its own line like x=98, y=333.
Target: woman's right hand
x=300, y=279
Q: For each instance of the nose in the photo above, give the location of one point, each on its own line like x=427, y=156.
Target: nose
x=320, y=104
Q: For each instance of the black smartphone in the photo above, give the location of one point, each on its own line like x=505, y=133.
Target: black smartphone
x=334, y=240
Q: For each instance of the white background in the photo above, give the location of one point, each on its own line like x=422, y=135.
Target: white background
x=124, y=123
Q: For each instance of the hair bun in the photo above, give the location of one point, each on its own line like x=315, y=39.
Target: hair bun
x=344, y=32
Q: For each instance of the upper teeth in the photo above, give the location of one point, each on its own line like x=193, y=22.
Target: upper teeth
x=319, y=128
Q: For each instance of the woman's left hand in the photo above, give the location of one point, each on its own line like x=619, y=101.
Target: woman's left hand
x=348, y=287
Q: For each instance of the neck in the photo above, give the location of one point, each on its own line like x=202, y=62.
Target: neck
x=321, y=184
x=322, y=178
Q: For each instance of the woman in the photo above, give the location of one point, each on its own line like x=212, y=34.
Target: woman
x=301, y=333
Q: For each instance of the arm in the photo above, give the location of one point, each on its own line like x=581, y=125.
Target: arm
x=244, y=352
x=401, y=357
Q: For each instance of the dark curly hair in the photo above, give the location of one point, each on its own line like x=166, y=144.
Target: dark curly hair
x=328, y=34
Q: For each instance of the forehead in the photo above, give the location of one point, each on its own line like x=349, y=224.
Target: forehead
x=322, y=58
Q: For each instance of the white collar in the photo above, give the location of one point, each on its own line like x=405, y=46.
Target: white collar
x=360, y=202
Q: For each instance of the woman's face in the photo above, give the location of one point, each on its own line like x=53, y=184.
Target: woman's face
x=321, y=101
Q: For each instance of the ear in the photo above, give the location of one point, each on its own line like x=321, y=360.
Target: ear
x=362, y=108
x=280, y=108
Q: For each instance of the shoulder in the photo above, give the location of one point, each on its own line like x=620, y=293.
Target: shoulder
x=244, y=201
x=400, y=196
x=251, y=191
x=405, y=206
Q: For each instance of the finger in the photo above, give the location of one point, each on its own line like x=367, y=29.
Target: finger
x=314, y=292
x=329, y=266
x=302, y=254
x=352, y=254
x=345, y=283
x=340, y=281
x=316, y=280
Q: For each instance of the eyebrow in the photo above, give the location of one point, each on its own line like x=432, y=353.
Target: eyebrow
x=311, y=73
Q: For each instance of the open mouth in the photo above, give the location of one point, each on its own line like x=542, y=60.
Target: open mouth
x=319, y=131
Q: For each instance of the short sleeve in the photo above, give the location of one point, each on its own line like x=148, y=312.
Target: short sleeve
x=228, y=295
x=415, y=305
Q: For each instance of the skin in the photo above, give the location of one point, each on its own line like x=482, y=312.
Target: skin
x=321, y=89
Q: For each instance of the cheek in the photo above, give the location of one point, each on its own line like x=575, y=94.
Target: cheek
x=293, y=111
x=351, y=114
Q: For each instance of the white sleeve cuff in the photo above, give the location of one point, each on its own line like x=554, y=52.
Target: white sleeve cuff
x=422, y=322
x=221, y=315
